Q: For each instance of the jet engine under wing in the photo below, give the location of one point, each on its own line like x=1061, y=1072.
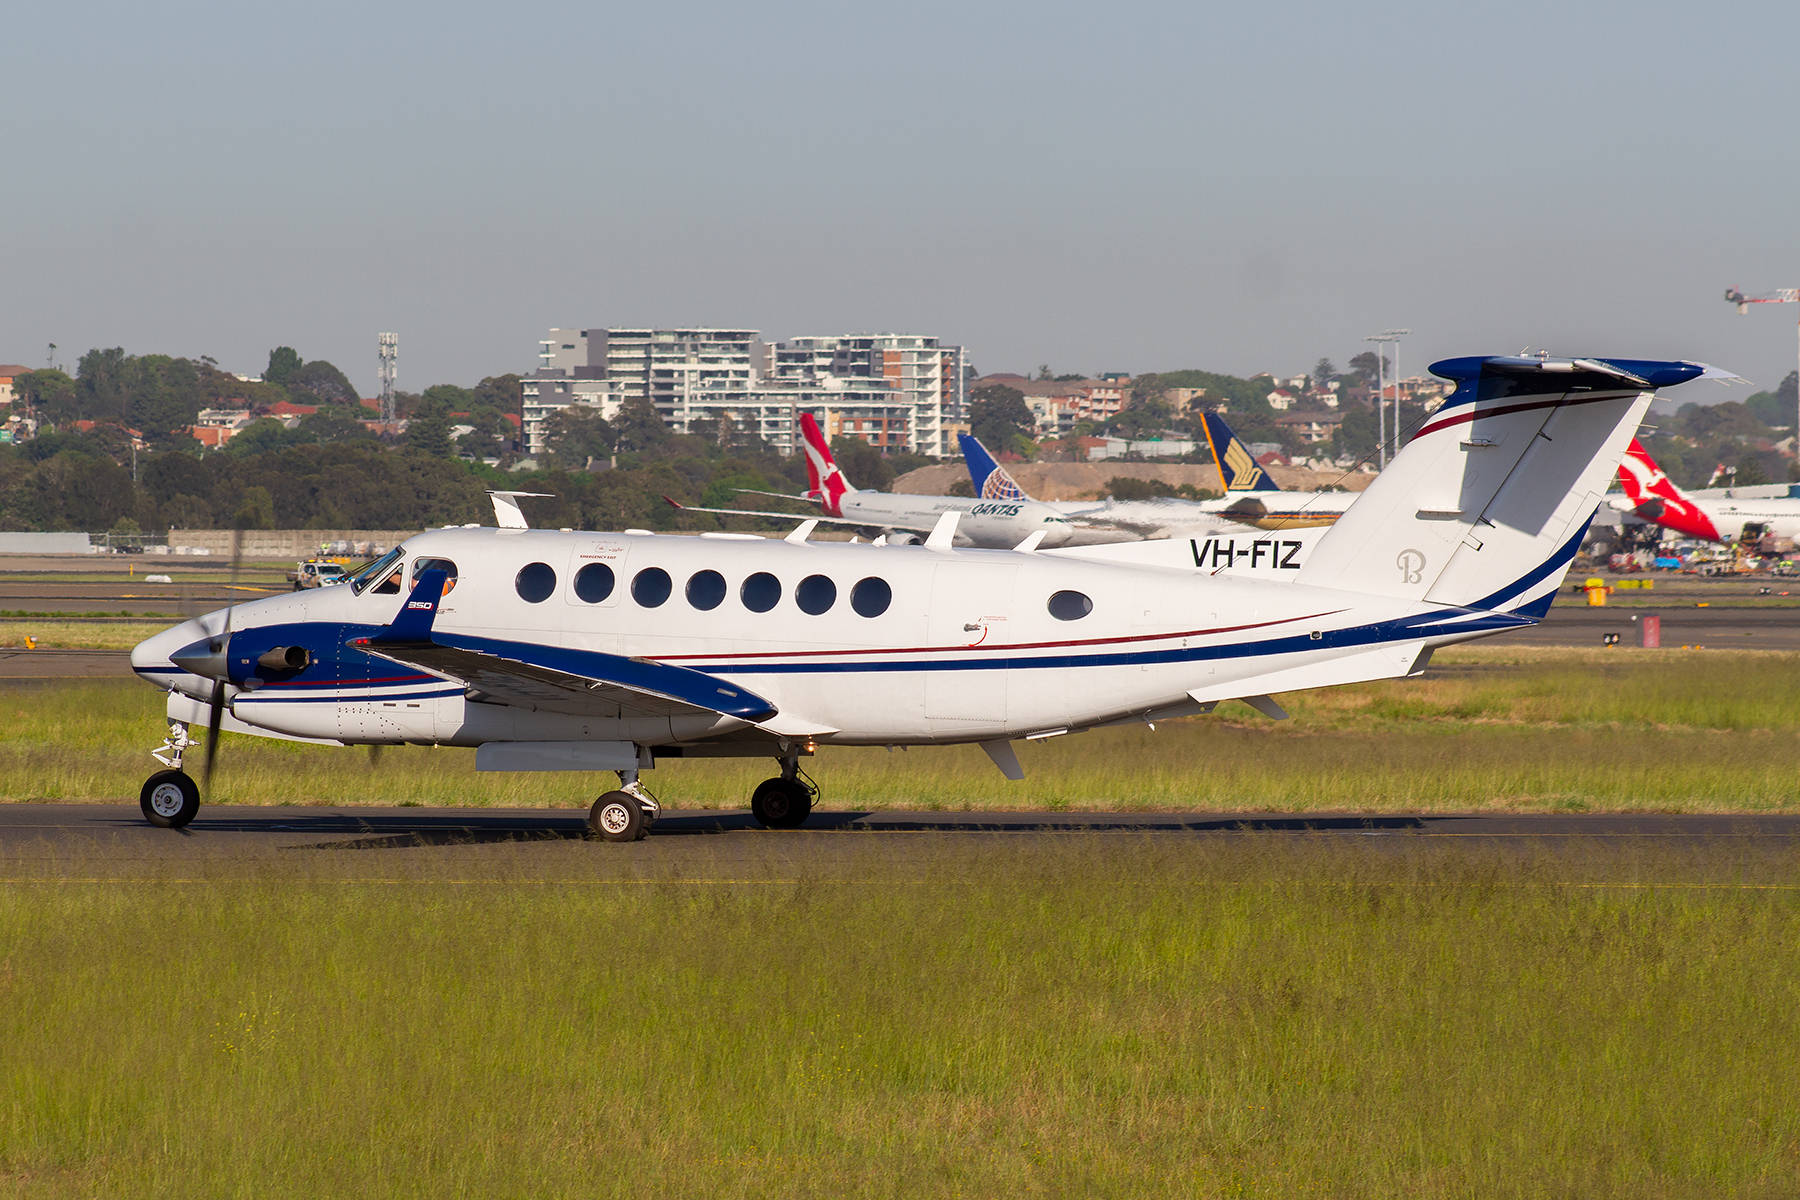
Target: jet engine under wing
x=582, y=683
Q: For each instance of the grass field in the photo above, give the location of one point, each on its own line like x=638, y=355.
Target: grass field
x=1234, y=1015
x=1525, y=729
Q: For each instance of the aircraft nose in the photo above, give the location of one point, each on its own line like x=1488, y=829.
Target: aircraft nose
x=151, y=658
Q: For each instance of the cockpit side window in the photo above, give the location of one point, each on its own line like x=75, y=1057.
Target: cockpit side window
x=422, y=565
x=375, y=570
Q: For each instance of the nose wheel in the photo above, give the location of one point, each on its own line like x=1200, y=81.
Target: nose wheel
x=170, y=799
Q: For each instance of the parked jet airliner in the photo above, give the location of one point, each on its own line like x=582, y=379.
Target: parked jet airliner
x=608, y=652
x=1252, y=498
x=1652, y=496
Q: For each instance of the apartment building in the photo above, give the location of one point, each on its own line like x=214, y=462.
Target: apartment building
x=899, y=392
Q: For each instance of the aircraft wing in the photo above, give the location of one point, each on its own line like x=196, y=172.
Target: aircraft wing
x=788, y=516
x=535, y=676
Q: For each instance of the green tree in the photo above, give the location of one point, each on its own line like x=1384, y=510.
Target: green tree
x=49, y=392
x=502, y=392
x=283, y=363
x=577, y=433
x=862, y=464
x=1324, y=371
x=1358, y=434
x=428, y=430
x=1367, y=368
x=639, y=426
x=256, y=509
x=997, y=413
x=324, y=381
x=101, y=384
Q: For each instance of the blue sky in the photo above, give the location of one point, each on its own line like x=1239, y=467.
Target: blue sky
x=1131, y=186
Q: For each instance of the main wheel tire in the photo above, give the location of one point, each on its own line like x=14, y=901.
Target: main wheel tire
x=781, y=803
x=170, y=799
x=618, y=817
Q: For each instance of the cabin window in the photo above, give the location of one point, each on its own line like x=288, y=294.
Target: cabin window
x=651, y=586
x=816, y=594
x=1070, y=606
x=535, y=582
x=594, y=582
x=422, y=565
x=871, y=597
x=760, y=592
x=375, y=570
x=706, y=590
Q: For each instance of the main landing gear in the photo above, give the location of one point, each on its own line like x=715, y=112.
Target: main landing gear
x=170, y=799
x=625, y=815
x=785, y=801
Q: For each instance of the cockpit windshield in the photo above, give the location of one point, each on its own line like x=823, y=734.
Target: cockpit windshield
x=375, y=570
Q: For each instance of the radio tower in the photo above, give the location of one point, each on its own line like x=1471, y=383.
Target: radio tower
x=390, y=354
x=1778, y=296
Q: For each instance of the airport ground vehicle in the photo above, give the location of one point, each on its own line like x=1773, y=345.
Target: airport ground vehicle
x=317, y=573
x=605, y=651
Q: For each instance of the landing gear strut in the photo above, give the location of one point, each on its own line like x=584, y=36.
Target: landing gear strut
x=170, y=799
x=785, y=801
x=625, y=815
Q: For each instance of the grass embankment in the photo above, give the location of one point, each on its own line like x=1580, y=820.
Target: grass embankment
x=1229, y=1016
x=1524, y=729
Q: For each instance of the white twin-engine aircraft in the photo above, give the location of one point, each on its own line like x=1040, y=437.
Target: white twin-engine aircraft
x=606, y=652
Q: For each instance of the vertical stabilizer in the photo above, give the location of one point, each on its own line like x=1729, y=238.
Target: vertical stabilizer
x=1238, y=468
x=825, y=483
x=1654, y=496
x=1487, y=504
x=989, y=477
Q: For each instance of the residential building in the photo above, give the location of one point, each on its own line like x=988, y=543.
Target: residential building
x=1281, y=399
x=8, y=373
x=911, y=372
x=1312, y=427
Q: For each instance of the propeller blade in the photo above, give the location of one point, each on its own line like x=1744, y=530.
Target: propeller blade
x=214, y=718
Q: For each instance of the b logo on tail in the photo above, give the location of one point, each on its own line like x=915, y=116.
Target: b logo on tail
x=825, y=483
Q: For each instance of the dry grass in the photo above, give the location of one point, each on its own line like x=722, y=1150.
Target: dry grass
x=1253, y=1016
x=1527, y=729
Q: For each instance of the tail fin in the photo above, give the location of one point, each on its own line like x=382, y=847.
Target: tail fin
x=825, y=483
x=1654, y=496
x=1238, y=468
x=989, y=477
x=1486, y=506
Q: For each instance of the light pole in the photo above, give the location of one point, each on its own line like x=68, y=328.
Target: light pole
x=1397, y=334
x=1381, y=392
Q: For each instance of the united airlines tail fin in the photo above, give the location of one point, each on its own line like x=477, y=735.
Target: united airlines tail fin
x=1654, y=496
x=1238, y=468
x=989, y=477
x=1488, y=503
x=825, y=483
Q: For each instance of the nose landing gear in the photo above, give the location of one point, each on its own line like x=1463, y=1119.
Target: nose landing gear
x=170, y=799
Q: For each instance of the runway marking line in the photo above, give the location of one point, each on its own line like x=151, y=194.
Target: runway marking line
x=1685, y=887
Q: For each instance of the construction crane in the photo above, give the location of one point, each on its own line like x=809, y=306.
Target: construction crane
x=1778, y=296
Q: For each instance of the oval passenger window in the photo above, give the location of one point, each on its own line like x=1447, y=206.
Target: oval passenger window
x=594, y=582
x=706, y=590
x=760, y=592
x=816, y=594
x=871, y=597
x=535, y=582
x=651, y=587
x=1070, y=606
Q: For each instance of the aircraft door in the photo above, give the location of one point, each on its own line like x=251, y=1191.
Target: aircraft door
x=971, y=604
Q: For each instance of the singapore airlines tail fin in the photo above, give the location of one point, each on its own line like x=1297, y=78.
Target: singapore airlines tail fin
x=1238, y=468
x=824, y=482
x=1486, y=506
x=989, y=477
x=1654, y=496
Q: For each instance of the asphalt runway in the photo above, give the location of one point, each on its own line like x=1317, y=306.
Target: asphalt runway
x=1715, y=628
x=39, y=837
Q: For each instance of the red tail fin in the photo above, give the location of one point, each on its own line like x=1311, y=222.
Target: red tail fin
x=825, y=483
x=1654, y=496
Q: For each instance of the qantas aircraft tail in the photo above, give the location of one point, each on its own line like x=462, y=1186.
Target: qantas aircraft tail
x=825, y=484
x=989, y=477
x=1654, y=496
x=1488, y=503
x=1238, y=468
